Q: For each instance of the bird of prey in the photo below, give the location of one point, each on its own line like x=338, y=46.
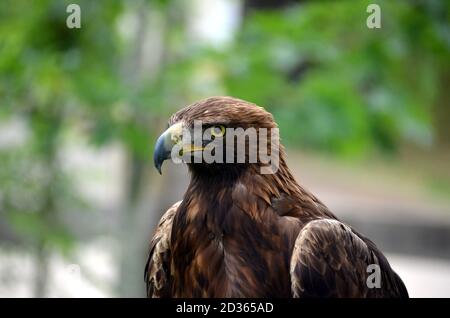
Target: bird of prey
x=238, y=232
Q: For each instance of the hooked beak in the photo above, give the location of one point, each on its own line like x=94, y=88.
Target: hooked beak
x=166, y=142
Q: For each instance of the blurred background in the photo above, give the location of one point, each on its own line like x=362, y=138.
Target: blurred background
x=364, y=114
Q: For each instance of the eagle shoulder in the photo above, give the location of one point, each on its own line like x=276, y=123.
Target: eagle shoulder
x=157, y=268
x=329, y=259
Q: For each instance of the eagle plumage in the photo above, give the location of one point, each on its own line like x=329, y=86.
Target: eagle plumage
x=239, y=233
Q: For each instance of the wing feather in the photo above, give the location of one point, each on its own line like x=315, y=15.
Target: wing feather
x=157, y=268
x=331, y=260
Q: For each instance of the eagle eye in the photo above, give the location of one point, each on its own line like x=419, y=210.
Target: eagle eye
x=218, y=131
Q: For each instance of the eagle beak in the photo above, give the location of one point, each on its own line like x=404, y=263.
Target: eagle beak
x=165, y=143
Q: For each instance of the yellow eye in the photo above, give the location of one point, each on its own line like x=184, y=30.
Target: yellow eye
x=218, y=131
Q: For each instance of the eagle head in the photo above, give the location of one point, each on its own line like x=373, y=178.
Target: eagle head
x=220, y=135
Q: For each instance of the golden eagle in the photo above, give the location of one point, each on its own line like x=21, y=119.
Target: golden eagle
x=240, y=233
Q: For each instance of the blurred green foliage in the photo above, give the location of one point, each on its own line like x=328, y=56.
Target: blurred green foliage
x=336, y=85
x=47, y=76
